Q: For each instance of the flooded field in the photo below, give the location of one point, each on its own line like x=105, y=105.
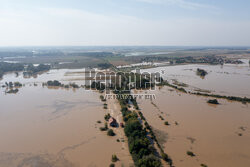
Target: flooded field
x=55, y=127
x=229, y=79
x=62, y=75
x=218, y=135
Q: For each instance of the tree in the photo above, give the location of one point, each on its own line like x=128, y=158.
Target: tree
x=190, y=153
x=166, y=123
x=213, y=101
x=112, y=165
x=149, y=161
x=114, y=158
x=110, y=132
x=201, y=72
x=54, y=83
x=107, y=116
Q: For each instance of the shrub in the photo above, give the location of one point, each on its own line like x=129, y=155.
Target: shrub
x=105, y=106
x=54, y=83
x=114, y=158
x=105, y=127
x=73, y=85
x=213, y=101
x=190, y=153
x=166, y=158
x=161, y=117
x=12, y=91
x=201, y=72
x=112, y=165
x=17, y=84
x=107, y=116
x=166, y=123
x=102, y=98
x=149, y=161
x=203, y=165
x=110, y=132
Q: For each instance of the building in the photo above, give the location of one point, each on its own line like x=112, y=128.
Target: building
x=112, y=122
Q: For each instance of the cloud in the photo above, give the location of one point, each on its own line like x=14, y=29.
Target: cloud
x=181, y=3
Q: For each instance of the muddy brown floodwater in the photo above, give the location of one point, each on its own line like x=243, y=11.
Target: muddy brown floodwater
x=219, y=135
x=41, y=127
x=229, y=79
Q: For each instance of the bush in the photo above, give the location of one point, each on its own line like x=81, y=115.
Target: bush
x=105, y=106
x=149, y=161
x=203, y=165
x=166, y=123
x=114, y=158
x=12, y=91
x=105, y=127
x=112, y=165
x=213, y=101
x=102, y=98
x=107, y=116
x=73, y=85
x=166, y=158
x=54, y=83
x=190, y=153
x=161, y=117
x=110, y=132
x=201, y=72
x=17, y=84
x=132, y=126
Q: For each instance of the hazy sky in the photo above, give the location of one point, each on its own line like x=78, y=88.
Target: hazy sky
x=125, y=22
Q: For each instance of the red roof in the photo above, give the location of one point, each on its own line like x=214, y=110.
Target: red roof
x=112, y=120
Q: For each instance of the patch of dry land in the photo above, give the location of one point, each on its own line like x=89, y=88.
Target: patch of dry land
x=218, y=135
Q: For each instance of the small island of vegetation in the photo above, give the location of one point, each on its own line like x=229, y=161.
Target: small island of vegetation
x=33, y=70
x=201, y=72
x=213, y=101
x=110, y=132
x=190, y=153
x=12, y=91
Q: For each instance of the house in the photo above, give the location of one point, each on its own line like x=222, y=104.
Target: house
x=112, y=122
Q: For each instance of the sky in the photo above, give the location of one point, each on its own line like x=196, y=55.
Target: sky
x=124, y=22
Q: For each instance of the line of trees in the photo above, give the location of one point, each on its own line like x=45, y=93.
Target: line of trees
x=143, y=153
x=10, y=67
x=31, y=69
